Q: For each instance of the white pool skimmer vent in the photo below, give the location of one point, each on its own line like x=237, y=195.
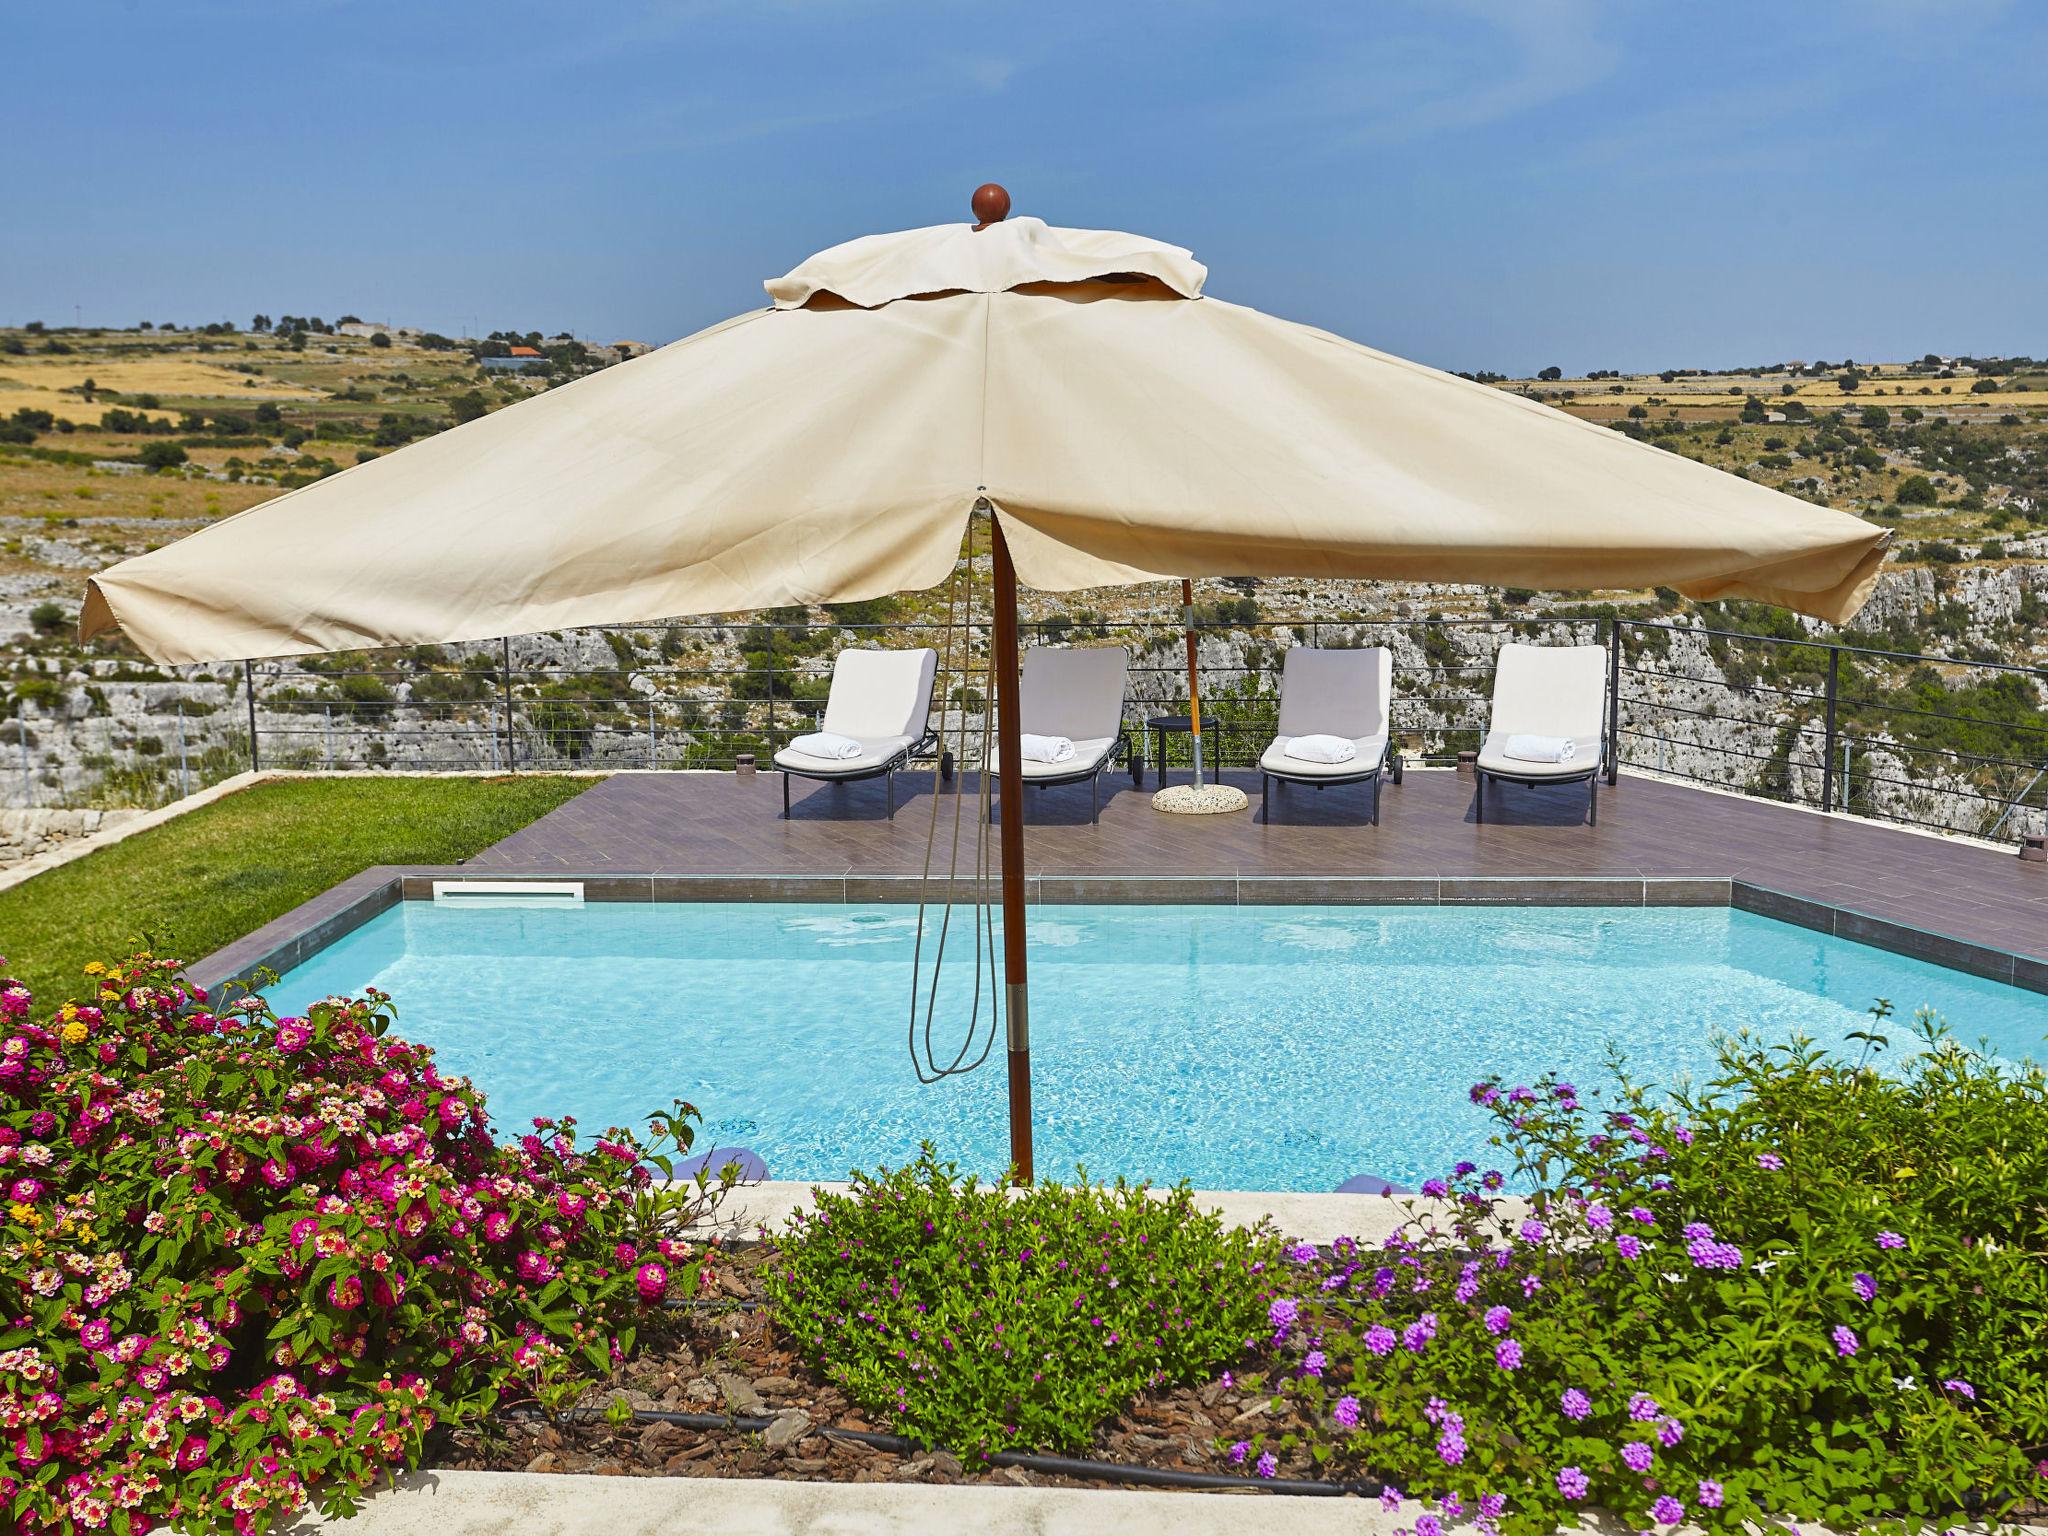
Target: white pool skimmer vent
x=508, y=893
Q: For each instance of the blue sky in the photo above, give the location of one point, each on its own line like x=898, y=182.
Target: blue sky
x=1493, y=184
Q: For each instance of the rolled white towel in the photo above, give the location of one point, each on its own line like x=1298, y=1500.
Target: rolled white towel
x=826, y=744
x=1046, y=749
x=1322, y=749
x=1542, y=749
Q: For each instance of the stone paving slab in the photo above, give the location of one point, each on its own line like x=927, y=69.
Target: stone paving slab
x=518, y=1504
x=1316, y=1218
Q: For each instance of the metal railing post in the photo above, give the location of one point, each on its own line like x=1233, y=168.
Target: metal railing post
x=28, y=796
x=650, y=734
x=505, y=694
x=184, y=764
x=1827, y=750
x=249, y=684
x=773, y=674
x=1613, y=699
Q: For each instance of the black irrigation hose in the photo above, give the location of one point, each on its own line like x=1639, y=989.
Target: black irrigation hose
x=1057, y=1466
x=1029, y=1461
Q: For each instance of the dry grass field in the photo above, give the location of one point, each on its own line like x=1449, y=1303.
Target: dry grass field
x=53, y=384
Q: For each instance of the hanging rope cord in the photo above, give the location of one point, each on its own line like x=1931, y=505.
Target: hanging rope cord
x=977, y=1039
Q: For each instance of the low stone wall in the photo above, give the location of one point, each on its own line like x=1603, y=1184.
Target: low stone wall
x=26, y=833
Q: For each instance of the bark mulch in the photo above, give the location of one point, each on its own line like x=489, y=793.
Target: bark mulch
x=728, y=1357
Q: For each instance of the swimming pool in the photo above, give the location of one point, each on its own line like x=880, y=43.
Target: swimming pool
x=1238, y=1047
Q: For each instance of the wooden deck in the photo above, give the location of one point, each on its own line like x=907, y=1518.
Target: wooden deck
x=1429, y=846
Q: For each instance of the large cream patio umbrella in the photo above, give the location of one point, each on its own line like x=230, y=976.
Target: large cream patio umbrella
x=1119, y=424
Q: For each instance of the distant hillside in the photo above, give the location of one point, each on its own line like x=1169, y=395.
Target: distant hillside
x=112, y=442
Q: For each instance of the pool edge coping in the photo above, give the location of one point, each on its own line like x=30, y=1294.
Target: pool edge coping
x=291, y=939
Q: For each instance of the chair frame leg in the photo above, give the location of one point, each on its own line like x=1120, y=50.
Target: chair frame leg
x=785, y=796
x=889, y=779
x=1479, y=799
x=1265, y=797
x=1593, y=801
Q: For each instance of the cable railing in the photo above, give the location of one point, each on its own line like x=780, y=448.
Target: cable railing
x=1953, y=743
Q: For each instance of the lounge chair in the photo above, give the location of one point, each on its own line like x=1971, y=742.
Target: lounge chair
x=1347, y=694
x=1079, y=694
x=1553, y=691
x=881, y=700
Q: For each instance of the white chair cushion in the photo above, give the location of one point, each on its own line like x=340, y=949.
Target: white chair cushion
x=1276, y=760
x=874, y=752
x=1493, y=758
x=1087, y=754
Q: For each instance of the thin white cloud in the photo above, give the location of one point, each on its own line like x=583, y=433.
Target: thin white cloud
x=1408, y=77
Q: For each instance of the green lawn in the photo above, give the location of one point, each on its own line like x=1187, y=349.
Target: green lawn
x=209, y=877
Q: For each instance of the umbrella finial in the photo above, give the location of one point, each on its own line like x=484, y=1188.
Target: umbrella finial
x=991, y=204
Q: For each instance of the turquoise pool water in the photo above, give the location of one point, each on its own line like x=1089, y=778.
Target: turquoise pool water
x=1239, y=1047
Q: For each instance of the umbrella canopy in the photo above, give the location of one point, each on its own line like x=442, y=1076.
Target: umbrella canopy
x=1122, y=425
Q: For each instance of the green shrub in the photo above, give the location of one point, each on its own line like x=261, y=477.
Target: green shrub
x=1917, y=491
x=972, y=1319
x=1808, y=1292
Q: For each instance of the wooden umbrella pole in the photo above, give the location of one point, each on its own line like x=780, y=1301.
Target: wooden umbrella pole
x=1010, y=760
x=1187, y=619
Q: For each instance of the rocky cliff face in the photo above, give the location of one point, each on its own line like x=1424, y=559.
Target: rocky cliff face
x=1728, y=713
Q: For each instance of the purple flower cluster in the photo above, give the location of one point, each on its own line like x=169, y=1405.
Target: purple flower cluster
x=1574, y=1404
x=1707, y=1252
x=1638, y=1455
x=1450, y=1440
x=1573, y=1483
x=1845, y=1340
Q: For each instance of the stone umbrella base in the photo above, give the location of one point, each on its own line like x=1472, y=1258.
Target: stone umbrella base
x=1203, y=800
